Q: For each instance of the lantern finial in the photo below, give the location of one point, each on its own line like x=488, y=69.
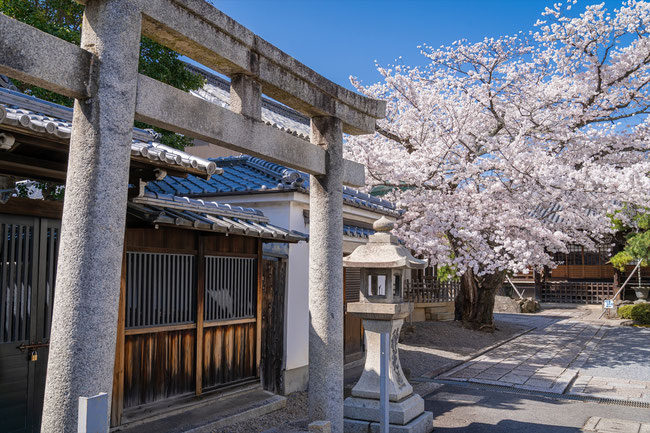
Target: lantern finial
x=383, y=224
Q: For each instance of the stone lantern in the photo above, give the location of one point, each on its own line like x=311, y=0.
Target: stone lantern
x=384, y=267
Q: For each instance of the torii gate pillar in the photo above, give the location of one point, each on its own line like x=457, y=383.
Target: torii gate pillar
x=82, y=341
x=326, y=278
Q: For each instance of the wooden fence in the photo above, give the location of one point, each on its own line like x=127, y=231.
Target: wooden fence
x=573, y=292
x=430, y=290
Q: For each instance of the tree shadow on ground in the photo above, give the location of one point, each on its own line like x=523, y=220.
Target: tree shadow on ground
x=470, y=409
x=623, y=351
x=508, y=426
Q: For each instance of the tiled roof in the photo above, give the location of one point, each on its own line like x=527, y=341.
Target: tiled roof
x=357, y=232
x=555, y=212
x=208, y=216
x=217, y=91
x=242, y=174
x=29, y=113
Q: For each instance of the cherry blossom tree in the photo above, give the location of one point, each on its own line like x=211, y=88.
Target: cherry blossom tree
x=504, y=151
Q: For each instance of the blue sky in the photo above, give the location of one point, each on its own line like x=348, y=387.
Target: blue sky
x=340, y=38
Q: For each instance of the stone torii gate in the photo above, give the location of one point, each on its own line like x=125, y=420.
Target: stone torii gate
x=102, y=76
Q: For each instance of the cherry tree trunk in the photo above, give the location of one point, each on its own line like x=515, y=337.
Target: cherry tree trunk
x=475, y=301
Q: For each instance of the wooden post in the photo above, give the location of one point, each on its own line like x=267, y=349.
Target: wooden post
x=200, y=298
x=117, y=404
x=258, y=332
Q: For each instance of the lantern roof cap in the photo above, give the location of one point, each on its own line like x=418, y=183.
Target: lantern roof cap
x=383, y=251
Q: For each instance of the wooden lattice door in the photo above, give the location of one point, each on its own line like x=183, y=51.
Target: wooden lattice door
x=28, y=256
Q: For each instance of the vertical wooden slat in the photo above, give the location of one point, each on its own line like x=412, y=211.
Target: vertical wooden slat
x=157, y=291
x=182, y=288
x=3, y=281
x=18, y=326
x=167, y=273
x=200, y=296
x=50, y=269
x=11, y=285
x=130, y=290
x=258, y=313
x=118, y=370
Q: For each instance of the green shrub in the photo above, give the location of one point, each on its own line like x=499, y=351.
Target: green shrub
x=625, y=312
x=640, y=313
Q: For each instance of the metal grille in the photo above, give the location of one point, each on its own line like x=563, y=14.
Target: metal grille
x=160, y=289
x=17, y=255
x=230, y=288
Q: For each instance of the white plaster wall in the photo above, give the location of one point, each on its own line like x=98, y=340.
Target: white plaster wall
x=297, y=319
x=286, y=210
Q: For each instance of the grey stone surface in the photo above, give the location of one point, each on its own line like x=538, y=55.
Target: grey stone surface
x=368, y=384
x=157, y=104
x=36, y=57
x=383, y=250
x=246, y=96
x=546, y=359
x=421, y=424
x=320, y=426
x=356, y=426
x=622, y=353
x=326, y=278
x=295, y=379
x=82, y=342
x=400, y=412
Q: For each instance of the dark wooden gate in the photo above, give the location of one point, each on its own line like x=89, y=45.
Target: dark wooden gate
x=273, y=295
x=353, y=330
x=190, y=317
x=28, y=255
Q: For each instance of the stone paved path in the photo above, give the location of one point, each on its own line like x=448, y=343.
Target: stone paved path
x=546, y=359
x=607, y=387
x=567, y=352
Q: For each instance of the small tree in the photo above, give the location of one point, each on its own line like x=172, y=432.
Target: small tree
x=504, y=151
x=633, y=226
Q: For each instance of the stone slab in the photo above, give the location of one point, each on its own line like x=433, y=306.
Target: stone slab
x=369, y=409
x=355, y=426
x=421, y=424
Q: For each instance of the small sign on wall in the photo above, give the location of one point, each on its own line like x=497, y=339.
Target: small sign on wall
x=608, y=304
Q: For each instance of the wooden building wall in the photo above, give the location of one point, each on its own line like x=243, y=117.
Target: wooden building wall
x=189, y=310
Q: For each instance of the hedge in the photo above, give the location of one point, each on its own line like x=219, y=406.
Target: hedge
x=640, y=313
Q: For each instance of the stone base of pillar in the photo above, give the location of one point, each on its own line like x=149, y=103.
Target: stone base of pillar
x=367, y=409
x=421, y=424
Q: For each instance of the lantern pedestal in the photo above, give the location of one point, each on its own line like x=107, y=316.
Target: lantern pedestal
x=362, y=410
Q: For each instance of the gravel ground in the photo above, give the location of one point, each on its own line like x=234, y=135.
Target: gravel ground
x=434, y=346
